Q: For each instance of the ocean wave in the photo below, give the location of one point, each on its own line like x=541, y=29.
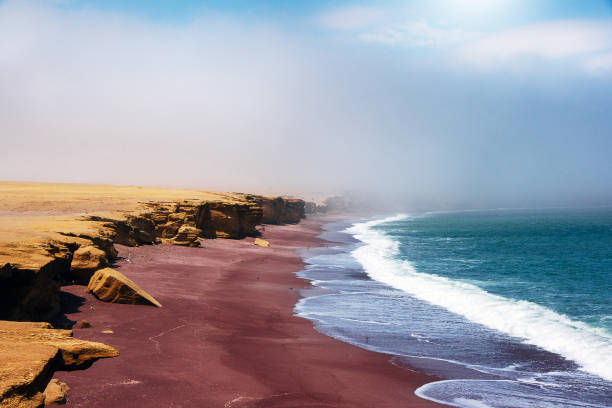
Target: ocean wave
x=499, y=393
x=589, y=347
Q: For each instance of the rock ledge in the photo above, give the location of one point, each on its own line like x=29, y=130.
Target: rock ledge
x=31, y=352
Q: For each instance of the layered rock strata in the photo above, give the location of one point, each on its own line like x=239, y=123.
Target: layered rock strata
x=31, y=272
x=211, y=219
x=279, y=210
x=29, y=355
x=85, y=261
x=30, y=284
x=56, y=233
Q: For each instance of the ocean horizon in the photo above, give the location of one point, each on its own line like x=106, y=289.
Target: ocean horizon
x=509, y=307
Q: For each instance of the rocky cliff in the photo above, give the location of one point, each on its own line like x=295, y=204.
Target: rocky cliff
x=30, y=277
x=182, y=222
x=73, y=248
x=32, y=352
x=279, y=210
x=53, y=233
x=30, y=280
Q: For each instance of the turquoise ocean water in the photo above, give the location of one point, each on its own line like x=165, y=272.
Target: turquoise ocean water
x=516, y=305
x=559, y=259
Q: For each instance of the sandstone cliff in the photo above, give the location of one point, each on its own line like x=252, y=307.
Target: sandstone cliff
x=31, y=272
x=32, y=352
x=278, y=210
x=54, y=233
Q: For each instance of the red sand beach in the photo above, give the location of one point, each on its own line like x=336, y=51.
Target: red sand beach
x=226, y=335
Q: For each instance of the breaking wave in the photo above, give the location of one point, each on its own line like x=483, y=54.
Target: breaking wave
x=589, y=347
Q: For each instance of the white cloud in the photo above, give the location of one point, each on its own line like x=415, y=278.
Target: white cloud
x=549, y=40
x=418, y=34
x=379, y=25
x=586, y=44
x=352, y=17
x=600, y=64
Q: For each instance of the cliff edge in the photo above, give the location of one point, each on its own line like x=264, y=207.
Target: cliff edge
x=29, y=355
x=52, y=234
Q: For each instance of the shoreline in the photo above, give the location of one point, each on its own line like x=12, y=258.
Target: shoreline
x=226, y=334
x=391, y=289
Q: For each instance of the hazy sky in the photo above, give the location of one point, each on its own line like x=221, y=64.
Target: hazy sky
x=437, y=103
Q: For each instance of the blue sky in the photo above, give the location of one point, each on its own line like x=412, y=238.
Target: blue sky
x=404, y=26
x=475, y=12
x=438, y=103
x=168, y=9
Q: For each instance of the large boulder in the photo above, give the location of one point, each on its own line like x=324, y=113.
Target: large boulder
x=55, y=393
x=110, y=285
x=85, y=261
x=187, y=236
x=31, y=352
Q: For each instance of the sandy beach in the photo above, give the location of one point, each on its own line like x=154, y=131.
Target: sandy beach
x=226, y=335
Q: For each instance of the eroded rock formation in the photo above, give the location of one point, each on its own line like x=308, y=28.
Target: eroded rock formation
x=85, y=261
x=29, y=355
x=31, y=274
x=110, y=285
x=279, y=210
x=183, y=223
x=238, y=220
x=30, y=292
x=55, y=233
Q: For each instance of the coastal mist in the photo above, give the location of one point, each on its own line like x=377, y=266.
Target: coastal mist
x=509, y=308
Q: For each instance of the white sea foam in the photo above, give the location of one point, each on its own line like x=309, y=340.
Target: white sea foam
x=468, y=403
x=589, y=347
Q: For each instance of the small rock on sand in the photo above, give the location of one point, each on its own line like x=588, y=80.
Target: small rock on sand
x=84, y=324
x=261, y=242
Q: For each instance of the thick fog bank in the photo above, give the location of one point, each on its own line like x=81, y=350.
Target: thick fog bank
x=220, y=103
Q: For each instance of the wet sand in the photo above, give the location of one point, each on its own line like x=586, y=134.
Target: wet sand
x=226, y=335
